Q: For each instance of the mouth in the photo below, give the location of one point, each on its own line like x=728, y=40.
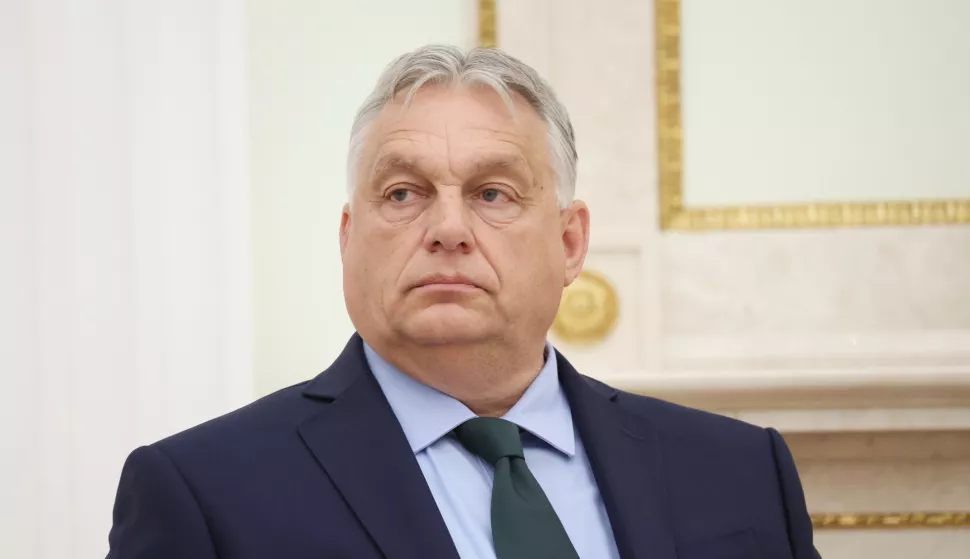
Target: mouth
x=446, y=283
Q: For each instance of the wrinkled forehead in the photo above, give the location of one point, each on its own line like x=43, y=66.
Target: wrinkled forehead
x=465, y=126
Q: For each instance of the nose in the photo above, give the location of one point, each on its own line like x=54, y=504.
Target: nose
x=450, y=228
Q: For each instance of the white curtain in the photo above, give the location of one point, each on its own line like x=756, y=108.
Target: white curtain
x=125, y=290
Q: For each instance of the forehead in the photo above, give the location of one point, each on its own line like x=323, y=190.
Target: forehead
x=460, y=122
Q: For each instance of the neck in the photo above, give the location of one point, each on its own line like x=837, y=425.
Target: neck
x=487, y=379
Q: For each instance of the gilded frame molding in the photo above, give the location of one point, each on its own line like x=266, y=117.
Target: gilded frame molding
x=487, y=30
x=858, y=520
x=674, y=215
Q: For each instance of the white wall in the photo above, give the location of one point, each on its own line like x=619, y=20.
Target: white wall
x=311, y=64
x=124, y=250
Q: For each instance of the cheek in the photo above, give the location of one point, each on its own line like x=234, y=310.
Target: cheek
x=382, y=251
x=530, y=259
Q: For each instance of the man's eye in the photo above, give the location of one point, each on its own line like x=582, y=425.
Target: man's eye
x=400, y=195
x=491, y=195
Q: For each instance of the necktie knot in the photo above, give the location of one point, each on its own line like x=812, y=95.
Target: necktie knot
x=490, y=438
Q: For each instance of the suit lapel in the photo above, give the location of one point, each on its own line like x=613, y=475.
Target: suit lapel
x=359, y=443
x=624, y=453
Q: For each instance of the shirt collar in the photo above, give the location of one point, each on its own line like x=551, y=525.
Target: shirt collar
x=426, y=414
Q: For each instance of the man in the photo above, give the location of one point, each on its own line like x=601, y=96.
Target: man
x=449, y=427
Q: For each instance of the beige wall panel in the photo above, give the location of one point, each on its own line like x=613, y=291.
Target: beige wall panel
x=818, y=304
x=854, y=342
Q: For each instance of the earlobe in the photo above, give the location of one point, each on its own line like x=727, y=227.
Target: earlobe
x=344, y=228
x=575, y=239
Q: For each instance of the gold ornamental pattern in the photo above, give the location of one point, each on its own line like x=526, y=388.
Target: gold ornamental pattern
x=588, y=311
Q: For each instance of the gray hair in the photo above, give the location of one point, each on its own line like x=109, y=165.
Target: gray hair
x=448, y=65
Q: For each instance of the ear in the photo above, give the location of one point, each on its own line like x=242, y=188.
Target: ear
x=574, y=222
x=344, y=229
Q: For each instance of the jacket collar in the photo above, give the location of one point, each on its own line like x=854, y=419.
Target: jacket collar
x=359, y=443
x=624, y=452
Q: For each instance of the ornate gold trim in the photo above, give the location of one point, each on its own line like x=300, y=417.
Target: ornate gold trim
x=673, y=214
x=858, y=520
x=588, y=311
x=487, y=31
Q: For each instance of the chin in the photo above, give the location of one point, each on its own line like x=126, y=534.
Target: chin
x=447, y=324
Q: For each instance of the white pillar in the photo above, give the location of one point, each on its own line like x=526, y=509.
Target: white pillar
x=125, y=290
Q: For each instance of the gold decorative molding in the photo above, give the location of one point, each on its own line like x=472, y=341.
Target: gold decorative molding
x=588, y=311
x=487, y=31
x=858, y=520
x=673, y=213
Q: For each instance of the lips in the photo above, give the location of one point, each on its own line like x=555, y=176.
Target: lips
x=444, y=281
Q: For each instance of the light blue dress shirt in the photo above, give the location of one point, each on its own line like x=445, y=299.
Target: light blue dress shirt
x=461, y=483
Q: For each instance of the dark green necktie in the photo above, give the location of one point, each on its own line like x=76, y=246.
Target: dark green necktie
x=524, y=524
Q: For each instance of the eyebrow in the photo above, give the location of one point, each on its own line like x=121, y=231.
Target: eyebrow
x=390, y=162
x=501, y=162
x=512, y=164
x=393, y=161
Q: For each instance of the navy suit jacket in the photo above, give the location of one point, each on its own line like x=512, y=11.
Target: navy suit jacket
x=323, y=470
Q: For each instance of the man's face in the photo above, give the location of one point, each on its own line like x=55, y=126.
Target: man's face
x=454, y=234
